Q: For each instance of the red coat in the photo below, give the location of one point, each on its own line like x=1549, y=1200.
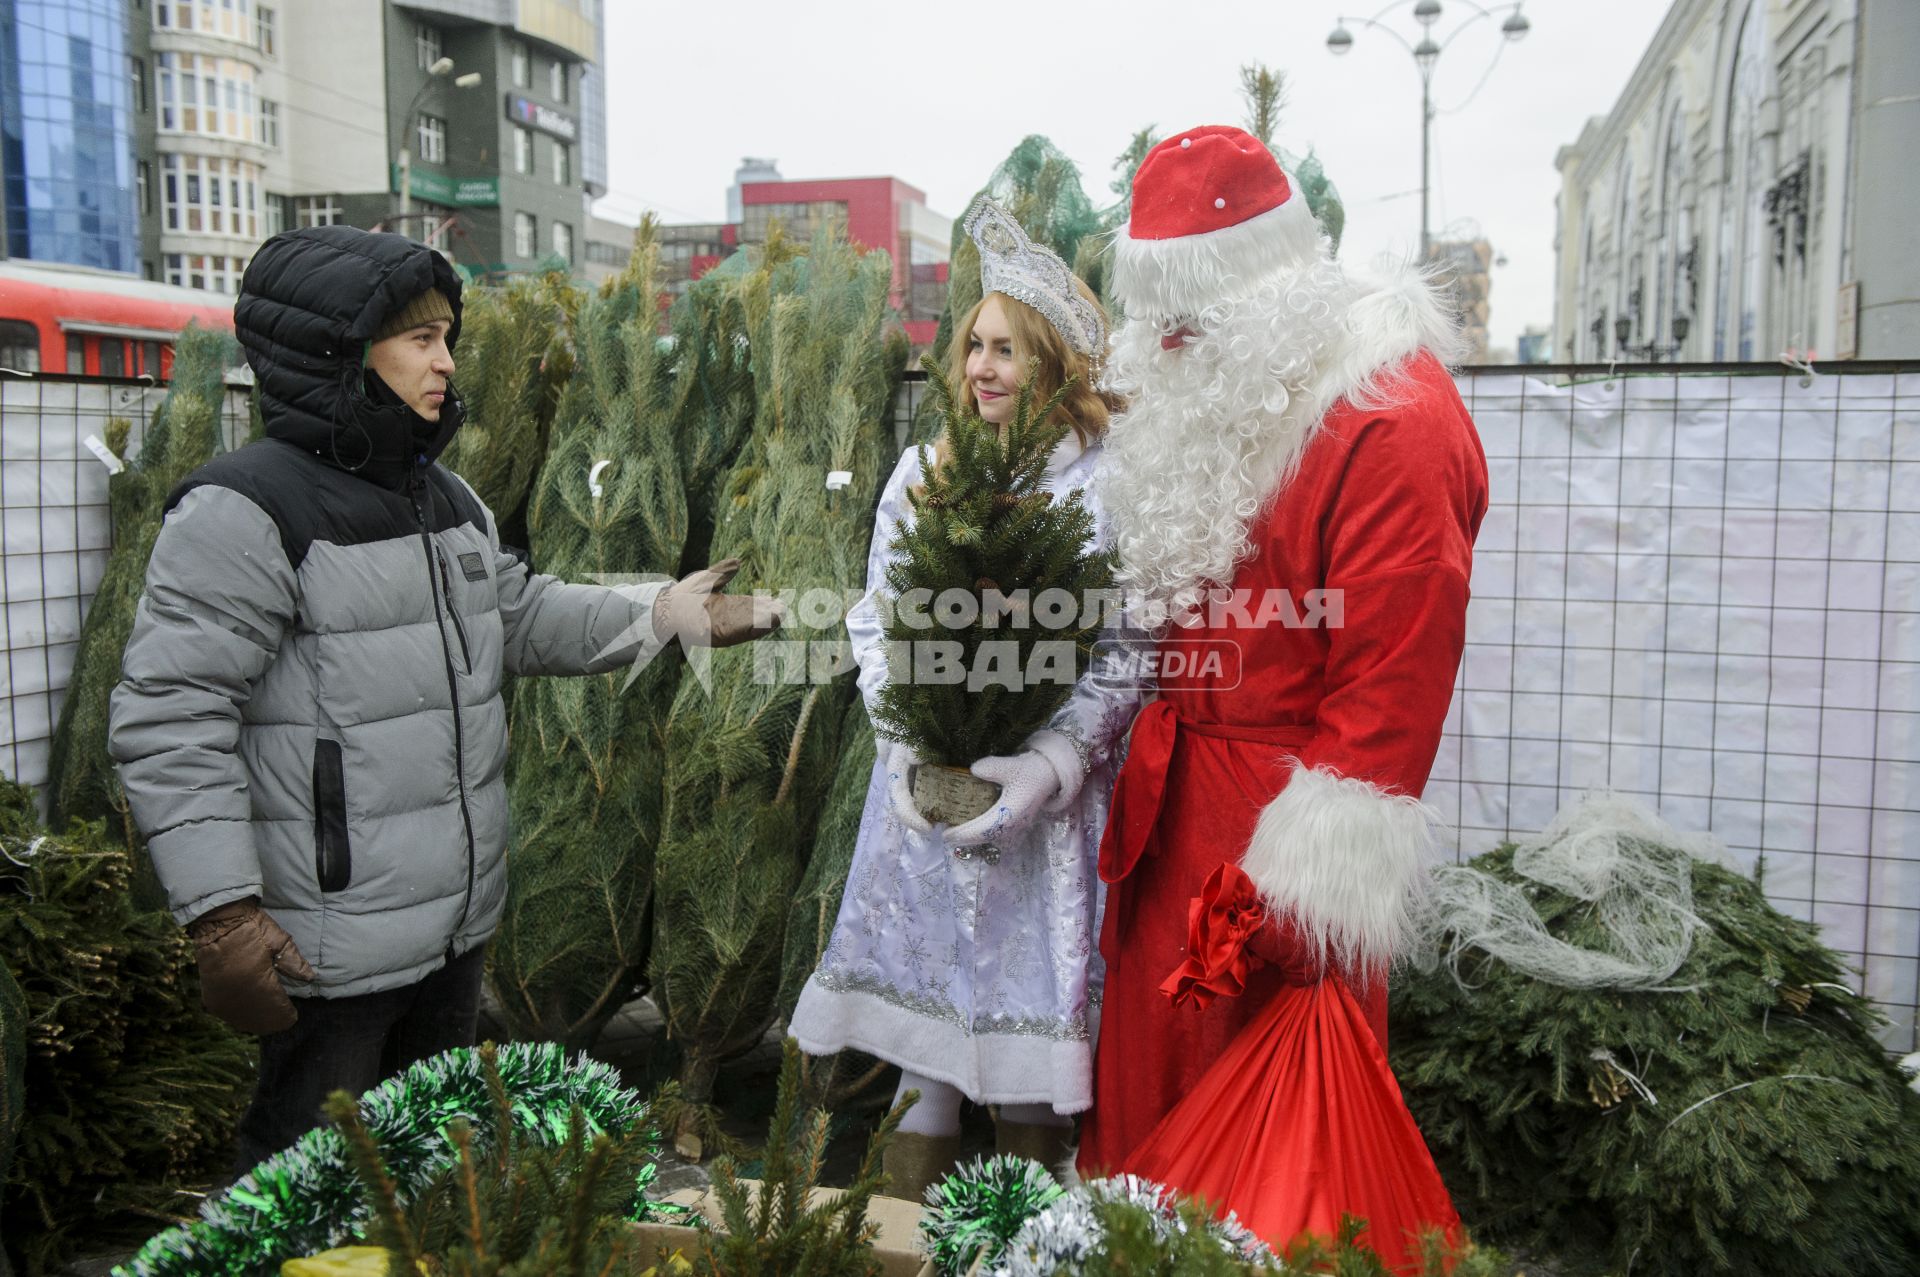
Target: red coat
x=1384, y=509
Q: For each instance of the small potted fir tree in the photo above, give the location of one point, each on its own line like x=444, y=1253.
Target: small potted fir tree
x=985, y=543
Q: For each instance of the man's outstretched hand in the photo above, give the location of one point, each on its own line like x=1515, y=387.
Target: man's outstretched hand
x=694, y=610
x=242, y=951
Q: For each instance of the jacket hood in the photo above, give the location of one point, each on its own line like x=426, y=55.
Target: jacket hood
x=309, y=303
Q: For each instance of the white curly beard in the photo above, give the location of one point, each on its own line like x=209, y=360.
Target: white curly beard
x=1214, y=430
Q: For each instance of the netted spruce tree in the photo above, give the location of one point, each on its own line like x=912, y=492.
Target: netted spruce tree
x=183, y=435
x=633, y=450
x=751, y=754
x=128, y=1088
x=514, y=359
x=1739, y=1118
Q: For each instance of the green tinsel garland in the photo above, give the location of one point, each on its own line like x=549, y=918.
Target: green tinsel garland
x=977, y=1210
x=306, y=1199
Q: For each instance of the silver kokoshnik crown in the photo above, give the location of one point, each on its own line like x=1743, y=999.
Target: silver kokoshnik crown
x=1011, y=263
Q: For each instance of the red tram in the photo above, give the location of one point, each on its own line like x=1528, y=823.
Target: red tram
x=72, y=319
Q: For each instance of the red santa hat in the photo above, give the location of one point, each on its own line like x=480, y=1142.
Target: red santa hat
x=1213, y=214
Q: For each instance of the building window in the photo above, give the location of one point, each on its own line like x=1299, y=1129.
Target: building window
x=522, y=150
x=433, y=139
x=557, y=80
x=526, y=240
x=208, y=195
x=207, y=272
x=562, y=164
x=76, y=354
x=231, y=19
x=199, y=93
x=268, y=118
x=274, y=213
x=563, y=242
x=143, y=187
x=316, y=210
x=19, y=345
x=137, y=68
x=263, y=22
x=522, y=66
x=426, y=45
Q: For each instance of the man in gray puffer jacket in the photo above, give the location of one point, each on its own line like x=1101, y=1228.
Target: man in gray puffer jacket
x=309, y=727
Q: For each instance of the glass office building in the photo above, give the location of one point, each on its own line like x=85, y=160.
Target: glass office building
x=66, y=147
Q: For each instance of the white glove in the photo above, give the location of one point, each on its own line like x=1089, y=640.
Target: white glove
x=900, y=764
x=1045, y=776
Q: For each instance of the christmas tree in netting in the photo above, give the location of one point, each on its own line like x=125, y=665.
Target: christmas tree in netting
x=184, y=435
x=129, y=1089
x=514, y=358
x=632, y=454
x=752, y=748
x=1630, y=1052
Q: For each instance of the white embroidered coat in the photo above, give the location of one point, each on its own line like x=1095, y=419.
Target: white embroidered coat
x=982, y=975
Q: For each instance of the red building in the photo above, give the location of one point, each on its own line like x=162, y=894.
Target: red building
x=877, y=212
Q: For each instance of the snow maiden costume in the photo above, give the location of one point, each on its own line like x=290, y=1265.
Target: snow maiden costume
x=966, y=968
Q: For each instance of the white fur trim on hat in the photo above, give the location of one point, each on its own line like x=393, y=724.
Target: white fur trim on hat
x=1342, y=858
x=1181, y=277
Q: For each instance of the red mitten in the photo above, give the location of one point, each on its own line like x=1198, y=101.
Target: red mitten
x=1279, y=944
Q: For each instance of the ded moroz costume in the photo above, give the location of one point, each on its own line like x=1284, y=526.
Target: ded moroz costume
x=1298, y=481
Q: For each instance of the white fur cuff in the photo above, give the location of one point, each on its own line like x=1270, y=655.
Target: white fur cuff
x=1342, y=858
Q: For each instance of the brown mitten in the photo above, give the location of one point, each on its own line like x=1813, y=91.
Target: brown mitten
x=694, y=611
x=241, y=950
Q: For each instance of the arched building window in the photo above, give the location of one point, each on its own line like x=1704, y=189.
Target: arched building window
x=1624, y=258
x=1744, y=251
x=1670, y=294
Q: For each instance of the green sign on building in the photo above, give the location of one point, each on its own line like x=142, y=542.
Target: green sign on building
x=453, y=192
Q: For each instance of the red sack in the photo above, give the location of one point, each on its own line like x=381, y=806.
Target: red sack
x=1301, y=1120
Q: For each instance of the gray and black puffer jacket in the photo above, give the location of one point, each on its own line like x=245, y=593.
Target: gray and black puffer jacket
x=310, y=703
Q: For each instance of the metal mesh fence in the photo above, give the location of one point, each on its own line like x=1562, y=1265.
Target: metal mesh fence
x=1700, y=586
x=55, y=532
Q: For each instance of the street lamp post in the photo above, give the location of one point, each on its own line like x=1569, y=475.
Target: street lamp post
x=1425, y=54
x=441, y=68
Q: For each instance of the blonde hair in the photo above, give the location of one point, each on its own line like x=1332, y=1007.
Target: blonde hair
x=1086, y=408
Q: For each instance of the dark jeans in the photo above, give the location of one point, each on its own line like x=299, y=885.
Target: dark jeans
x=353, y=1044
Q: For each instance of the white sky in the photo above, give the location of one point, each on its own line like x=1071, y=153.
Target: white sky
x=937, y=95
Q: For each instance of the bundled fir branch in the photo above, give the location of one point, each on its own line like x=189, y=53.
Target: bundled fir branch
x=183, y=435
x=624, y=491
x=309, y=1197
x=783, y=1228
x=1744, y=1120
x=13, y=1065
x=127, y=1089
x=751, y=750
x=515, y=356
x=984, y=526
